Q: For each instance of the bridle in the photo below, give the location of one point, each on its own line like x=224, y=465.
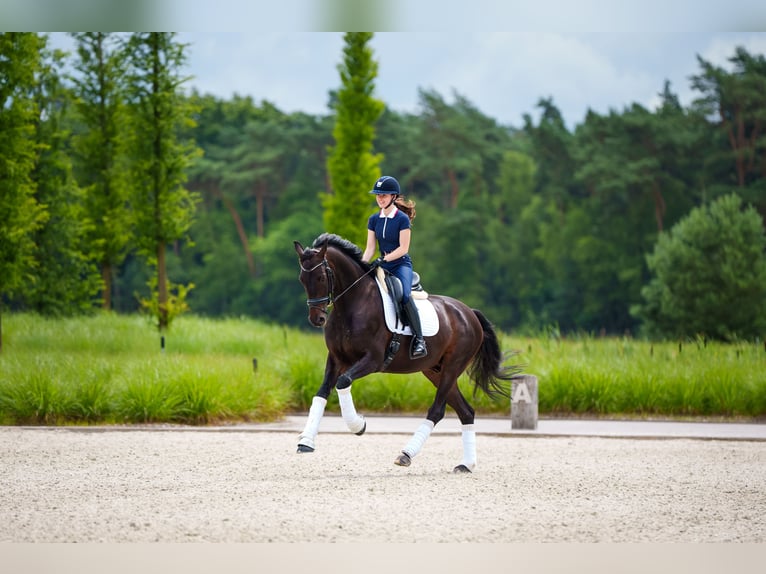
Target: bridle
x=329, y=299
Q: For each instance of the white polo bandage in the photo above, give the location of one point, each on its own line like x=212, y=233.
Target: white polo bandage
x=469, y=447
x=354, y=421
x=311, y=429
x=418, y=439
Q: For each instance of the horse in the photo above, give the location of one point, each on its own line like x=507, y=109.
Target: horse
x=344, y=300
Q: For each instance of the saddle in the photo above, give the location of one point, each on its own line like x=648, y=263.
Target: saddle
x=395, y=291
x=396, y=318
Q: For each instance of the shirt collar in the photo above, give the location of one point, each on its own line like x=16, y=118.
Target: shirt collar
x=390, y=215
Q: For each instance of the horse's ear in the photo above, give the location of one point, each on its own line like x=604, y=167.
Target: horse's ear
x=298, y=248
x=324, y=248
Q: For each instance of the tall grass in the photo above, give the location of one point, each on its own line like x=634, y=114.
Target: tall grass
x=586, y=375
x=109, y=369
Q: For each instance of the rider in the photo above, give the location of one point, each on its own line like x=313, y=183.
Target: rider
x=390, y=228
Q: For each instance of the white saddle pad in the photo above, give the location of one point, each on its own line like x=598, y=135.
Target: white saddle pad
x=429, y=320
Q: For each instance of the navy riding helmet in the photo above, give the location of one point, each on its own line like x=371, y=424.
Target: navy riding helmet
x=386, y=184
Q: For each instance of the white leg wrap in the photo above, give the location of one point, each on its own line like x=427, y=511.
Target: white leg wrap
x=418, y=439
x=354, y=421
x=469, y=447
x=311, y=429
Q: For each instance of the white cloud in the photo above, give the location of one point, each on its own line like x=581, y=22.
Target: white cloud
x=722, y=47
x=293, y=71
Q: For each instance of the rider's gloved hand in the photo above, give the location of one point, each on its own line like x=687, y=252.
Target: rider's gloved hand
x=375, y=263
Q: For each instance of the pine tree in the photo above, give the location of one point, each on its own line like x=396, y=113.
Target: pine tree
x=352, y=166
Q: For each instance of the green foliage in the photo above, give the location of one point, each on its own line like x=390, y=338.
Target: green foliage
x=20, y=213
x=162, y=207
x=638, y=378
x=160, y=153
x=108, y=369
x=65, y=279
x=351, y=165
x=733, y=100
x=256, y=164
x=278, y=294
x=175, y=303
x=709, y=275
x=554, y=224
x=456, y=151
x=100, y=149
x=35, y=400
x=216, y=266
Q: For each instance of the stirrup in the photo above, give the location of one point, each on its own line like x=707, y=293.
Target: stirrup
x=418, y=348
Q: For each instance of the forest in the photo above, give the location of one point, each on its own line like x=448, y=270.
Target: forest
x=120, y=187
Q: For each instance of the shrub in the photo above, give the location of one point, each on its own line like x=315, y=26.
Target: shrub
x=709, y=275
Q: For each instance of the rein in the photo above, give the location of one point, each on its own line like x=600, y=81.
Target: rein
x=330, y=298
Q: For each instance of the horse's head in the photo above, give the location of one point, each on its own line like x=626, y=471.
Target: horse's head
x=316, y=277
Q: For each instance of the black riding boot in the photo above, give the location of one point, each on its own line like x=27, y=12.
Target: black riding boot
x=418, y=346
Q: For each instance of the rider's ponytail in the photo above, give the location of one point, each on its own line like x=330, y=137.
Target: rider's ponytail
x=406, y=205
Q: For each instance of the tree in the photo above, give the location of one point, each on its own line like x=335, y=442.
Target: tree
x=351, y=165
x=458, y=149
x=101, y=149
x=257, y=161
x=163, y=207
x=395, y=139
x=709, y=275
x=637, y=170
x=735, y=101
x=65, y=279
x=219, y=131
x=20, y=214
x=552, y=147
x=514, y=278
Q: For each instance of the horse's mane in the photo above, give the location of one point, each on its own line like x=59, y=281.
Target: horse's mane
x=343, y=245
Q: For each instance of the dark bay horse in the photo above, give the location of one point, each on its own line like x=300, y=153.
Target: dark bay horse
x=358, y=342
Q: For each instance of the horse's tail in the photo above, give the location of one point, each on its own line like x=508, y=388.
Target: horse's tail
x=487, y=370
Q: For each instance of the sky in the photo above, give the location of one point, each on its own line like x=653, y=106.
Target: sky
x=503, y=74
x=502, y=55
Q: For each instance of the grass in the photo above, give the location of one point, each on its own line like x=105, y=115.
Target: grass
x=631, y=377
x=109, y=369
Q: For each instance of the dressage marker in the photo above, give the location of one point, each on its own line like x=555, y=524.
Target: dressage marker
x=524, y=402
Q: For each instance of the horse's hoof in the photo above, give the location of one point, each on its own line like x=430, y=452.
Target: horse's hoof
x=403, y=460
x=364, y=428
x=303, y=448
x=461, y=469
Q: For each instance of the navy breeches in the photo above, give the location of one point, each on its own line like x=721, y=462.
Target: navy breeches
x=404, y=272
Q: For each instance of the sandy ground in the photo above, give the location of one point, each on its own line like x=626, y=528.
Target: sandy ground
x=59, y=485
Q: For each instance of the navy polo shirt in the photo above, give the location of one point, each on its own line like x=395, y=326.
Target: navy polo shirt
x=387, y=228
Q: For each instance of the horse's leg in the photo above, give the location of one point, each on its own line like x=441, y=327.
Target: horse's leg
x=355, y=422
x=435, y=414
x=465, y=413
x=316, y=412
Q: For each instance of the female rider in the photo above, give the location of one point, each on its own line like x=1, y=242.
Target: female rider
x=390, y=228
